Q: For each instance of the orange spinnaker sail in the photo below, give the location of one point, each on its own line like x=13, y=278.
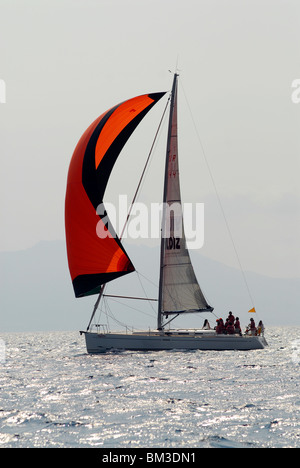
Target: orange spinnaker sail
x=93, y=260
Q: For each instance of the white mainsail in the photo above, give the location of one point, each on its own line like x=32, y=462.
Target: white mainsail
x=179, y=288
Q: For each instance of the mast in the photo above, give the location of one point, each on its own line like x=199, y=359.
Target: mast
x=162, y=244
x=179, y=290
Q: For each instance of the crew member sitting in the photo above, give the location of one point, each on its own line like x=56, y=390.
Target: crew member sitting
x=206, y=325
x=219, y=328
x=221, y=323
x=230, y=328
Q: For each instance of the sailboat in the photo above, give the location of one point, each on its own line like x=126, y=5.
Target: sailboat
x=96, y=260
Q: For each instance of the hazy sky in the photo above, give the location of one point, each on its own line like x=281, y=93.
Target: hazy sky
x=64, y=62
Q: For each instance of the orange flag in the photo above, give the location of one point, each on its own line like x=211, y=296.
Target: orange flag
x=252, y=310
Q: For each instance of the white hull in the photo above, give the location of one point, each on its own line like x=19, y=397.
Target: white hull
x=156, y=341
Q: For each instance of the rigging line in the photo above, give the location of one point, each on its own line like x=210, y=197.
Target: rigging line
x=108, y=313
x=153, y=148
x=145, y=167
x=218, y=198
x=142, y=286
x=147, y=279
x=212, y=312
x=130, y=307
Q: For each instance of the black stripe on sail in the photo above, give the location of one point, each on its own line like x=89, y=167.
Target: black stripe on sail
x=86, y=285
x=95, y=181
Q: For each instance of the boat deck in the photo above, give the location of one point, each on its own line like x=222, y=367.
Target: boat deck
x=179, y=332
x=179, y=339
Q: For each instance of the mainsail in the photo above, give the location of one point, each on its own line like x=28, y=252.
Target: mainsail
x=179, y=289
x=95, y=260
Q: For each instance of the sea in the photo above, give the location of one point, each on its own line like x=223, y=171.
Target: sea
x=54, y=395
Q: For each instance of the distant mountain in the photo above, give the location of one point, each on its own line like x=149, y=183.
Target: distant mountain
x=37, y=294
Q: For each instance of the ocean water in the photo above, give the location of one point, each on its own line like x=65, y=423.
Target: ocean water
x=53, y=394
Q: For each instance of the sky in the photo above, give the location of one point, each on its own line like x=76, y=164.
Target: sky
x=64, y=62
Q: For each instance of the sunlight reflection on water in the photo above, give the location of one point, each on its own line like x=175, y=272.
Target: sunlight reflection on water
x=53, y=394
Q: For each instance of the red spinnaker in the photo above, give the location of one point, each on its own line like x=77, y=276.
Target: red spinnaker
x=94, y=261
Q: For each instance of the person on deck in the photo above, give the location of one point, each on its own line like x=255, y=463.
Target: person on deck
x=237, y=326
x=206, y=325
x=230, y=328
x=219, y=328
x=227, y=323
x=221, y=323
x=252, y=327
x=231, y=317
x=260, y=328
